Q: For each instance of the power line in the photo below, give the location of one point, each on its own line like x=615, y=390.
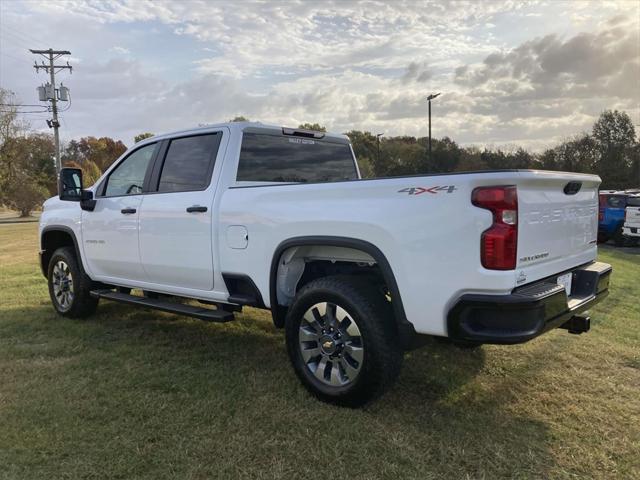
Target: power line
x=18, y=105
x=21, y=113
x=26, y=37
x=8, y=55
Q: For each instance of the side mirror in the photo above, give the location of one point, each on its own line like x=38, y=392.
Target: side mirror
x=70, y=184
x=87, y=202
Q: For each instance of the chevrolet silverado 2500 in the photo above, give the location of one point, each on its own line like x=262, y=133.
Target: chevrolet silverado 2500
x=354, y=270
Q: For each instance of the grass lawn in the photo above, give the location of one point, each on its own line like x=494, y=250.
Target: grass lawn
x=134, y=393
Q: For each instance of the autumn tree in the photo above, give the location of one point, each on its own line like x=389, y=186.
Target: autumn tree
x=142, y=136
x=615, y=139
x=27, y=172
x=101, y=151
x=313, y=126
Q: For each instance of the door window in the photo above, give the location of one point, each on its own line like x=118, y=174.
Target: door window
x=127, y=178
x=189, y=163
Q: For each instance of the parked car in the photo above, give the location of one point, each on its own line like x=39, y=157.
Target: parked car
x=611, y=216
x=631, y=228
x=354, y=270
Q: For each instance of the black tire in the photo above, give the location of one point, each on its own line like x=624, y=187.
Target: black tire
x=373, y=316
x=618, y=237
x=80, y=304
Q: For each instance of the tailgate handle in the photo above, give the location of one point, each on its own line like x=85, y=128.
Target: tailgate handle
x=572, y=188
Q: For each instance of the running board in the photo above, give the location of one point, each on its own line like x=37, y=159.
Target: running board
x=201, y=313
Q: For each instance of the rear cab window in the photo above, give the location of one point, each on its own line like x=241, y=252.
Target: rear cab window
x=273, y=158
x=633, y=202
x=616, y=201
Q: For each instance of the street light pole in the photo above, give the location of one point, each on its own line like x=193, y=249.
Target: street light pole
x=378, y=143
x=429, y=98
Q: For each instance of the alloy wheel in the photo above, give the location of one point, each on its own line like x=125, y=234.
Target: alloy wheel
x=331, y=344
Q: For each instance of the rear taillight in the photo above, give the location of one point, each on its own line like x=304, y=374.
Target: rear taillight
x=499, y=243
x=601, y=215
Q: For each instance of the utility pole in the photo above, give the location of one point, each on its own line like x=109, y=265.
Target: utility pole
x=51, y=69
x=378, y=142
x=429, y=98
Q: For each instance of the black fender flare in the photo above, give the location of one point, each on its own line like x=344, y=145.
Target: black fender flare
x=66, y=230
x=405, y=328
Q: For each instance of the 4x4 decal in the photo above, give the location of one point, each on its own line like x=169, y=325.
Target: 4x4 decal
x=434, y=190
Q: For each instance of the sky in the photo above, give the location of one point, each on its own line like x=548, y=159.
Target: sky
x=528, y=73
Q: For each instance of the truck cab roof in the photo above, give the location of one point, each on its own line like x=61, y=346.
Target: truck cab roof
x=256, y=127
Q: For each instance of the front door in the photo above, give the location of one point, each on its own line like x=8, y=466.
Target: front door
x=110, y=231
x=176, y=222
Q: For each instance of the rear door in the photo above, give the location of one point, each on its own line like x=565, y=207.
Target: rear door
x=176, y=215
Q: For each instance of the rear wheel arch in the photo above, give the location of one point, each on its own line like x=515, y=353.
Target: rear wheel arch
x=405, y=328
x=54, y=237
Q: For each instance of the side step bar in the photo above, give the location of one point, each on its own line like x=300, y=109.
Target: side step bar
x=206, y=314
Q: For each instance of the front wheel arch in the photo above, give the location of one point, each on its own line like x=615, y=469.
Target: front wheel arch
x=54, y=237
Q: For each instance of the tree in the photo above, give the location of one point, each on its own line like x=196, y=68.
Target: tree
x=471, y=160
x=445, y=155
x=101, y=151
x=23, y=194
x=239, y=118
x=27, y=173
x=365, y=149
x=313, y=126
x=90, y=171
x=615, y=140
x=142, y=136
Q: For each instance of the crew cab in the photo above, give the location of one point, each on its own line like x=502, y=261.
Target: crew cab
x=204, y=222
x=631, y=228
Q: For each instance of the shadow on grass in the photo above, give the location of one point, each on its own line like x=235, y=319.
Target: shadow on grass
x=234, y=380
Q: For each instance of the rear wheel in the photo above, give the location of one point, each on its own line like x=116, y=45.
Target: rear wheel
x=69, y=286
x=618, y=237
x=342, y=341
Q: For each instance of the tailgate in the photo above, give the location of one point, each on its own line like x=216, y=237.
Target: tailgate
x=632, y=218
x=557, y=224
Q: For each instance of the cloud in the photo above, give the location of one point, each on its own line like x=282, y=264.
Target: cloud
x=533, y=76
x=565, y=82
x=581, y=65
x=120, y=50
x=417, y=72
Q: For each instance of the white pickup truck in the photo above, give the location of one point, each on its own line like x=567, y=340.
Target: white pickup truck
x=203, y=222
x=631, y=227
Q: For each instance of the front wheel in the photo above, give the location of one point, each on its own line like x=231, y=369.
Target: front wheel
x=69, y=286
x=342, y=340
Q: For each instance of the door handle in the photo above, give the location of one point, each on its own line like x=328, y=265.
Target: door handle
x=127, y=211
x=196, y=208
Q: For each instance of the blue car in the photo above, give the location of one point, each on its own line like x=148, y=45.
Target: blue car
x=611, y=216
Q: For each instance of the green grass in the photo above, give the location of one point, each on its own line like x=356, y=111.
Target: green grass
x=135, y=393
